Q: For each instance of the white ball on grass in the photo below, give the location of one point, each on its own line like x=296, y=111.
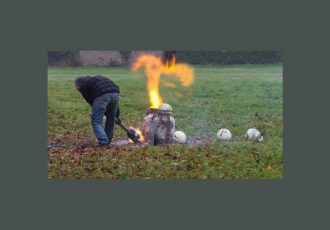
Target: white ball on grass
x=224, y=135
x=253, y=134
x=165, y=107
x=180, y=137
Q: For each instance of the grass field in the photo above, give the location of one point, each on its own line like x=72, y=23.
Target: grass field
x=234, y=97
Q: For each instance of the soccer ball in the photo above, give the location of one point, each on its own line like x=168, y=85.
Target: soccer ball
x=180, y=137
x=165, y=107
x=224, y=135
x=253, y=134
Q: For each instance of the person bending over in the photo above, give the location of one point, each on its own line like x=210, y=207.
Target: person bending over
x=103, y=95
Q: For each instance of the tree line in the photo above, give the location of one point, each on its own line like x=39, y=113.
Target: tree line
x=71, y=58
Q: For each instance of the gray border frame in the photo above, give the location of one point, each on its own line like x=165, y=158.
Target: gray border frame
x=29, y=199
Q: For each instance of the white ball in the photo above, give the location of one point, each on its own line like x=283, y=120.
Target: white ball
x=224, y=135
x=253, y=134
x=180, y=137
x=165, y=107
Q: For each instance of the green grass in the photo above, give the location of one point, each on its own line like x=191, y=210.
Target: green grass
x=234, y=97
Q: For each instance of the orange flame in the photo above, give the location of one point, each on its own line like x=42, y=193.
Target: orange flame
x=154, y=68
x=166, y=64
x=139, y=132
x=169, y=84
x=173, y=61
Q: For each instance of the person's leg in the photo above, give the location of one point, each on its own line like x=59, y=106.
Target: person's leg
x=111, y=115
x=98, y=110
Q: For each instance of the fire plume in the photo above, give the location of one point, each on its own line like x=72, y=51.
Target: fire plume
x=173, y=61
x=154, y=68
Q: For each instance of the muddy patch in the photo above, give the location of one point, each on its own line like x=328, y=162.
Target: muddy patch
x=84, y=143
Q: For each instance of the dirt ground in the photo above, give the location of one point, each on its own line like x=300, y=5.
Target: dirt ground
x=90, y=142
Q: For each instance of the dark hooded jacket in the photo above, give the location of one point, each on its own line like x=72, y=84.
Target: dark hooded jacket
x=93, y=87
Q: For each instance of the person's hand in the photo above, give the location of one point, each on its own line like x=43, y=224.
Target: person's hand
x=118, y=120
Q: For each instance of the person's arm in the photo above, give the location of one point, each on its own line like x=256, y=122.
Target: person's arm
x=118, y=112
x=89, y=100
x=118, y=120
x=87, y=95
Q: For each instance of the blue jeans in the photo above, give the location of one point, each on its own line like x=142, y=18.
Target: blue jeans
x=107, y=105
